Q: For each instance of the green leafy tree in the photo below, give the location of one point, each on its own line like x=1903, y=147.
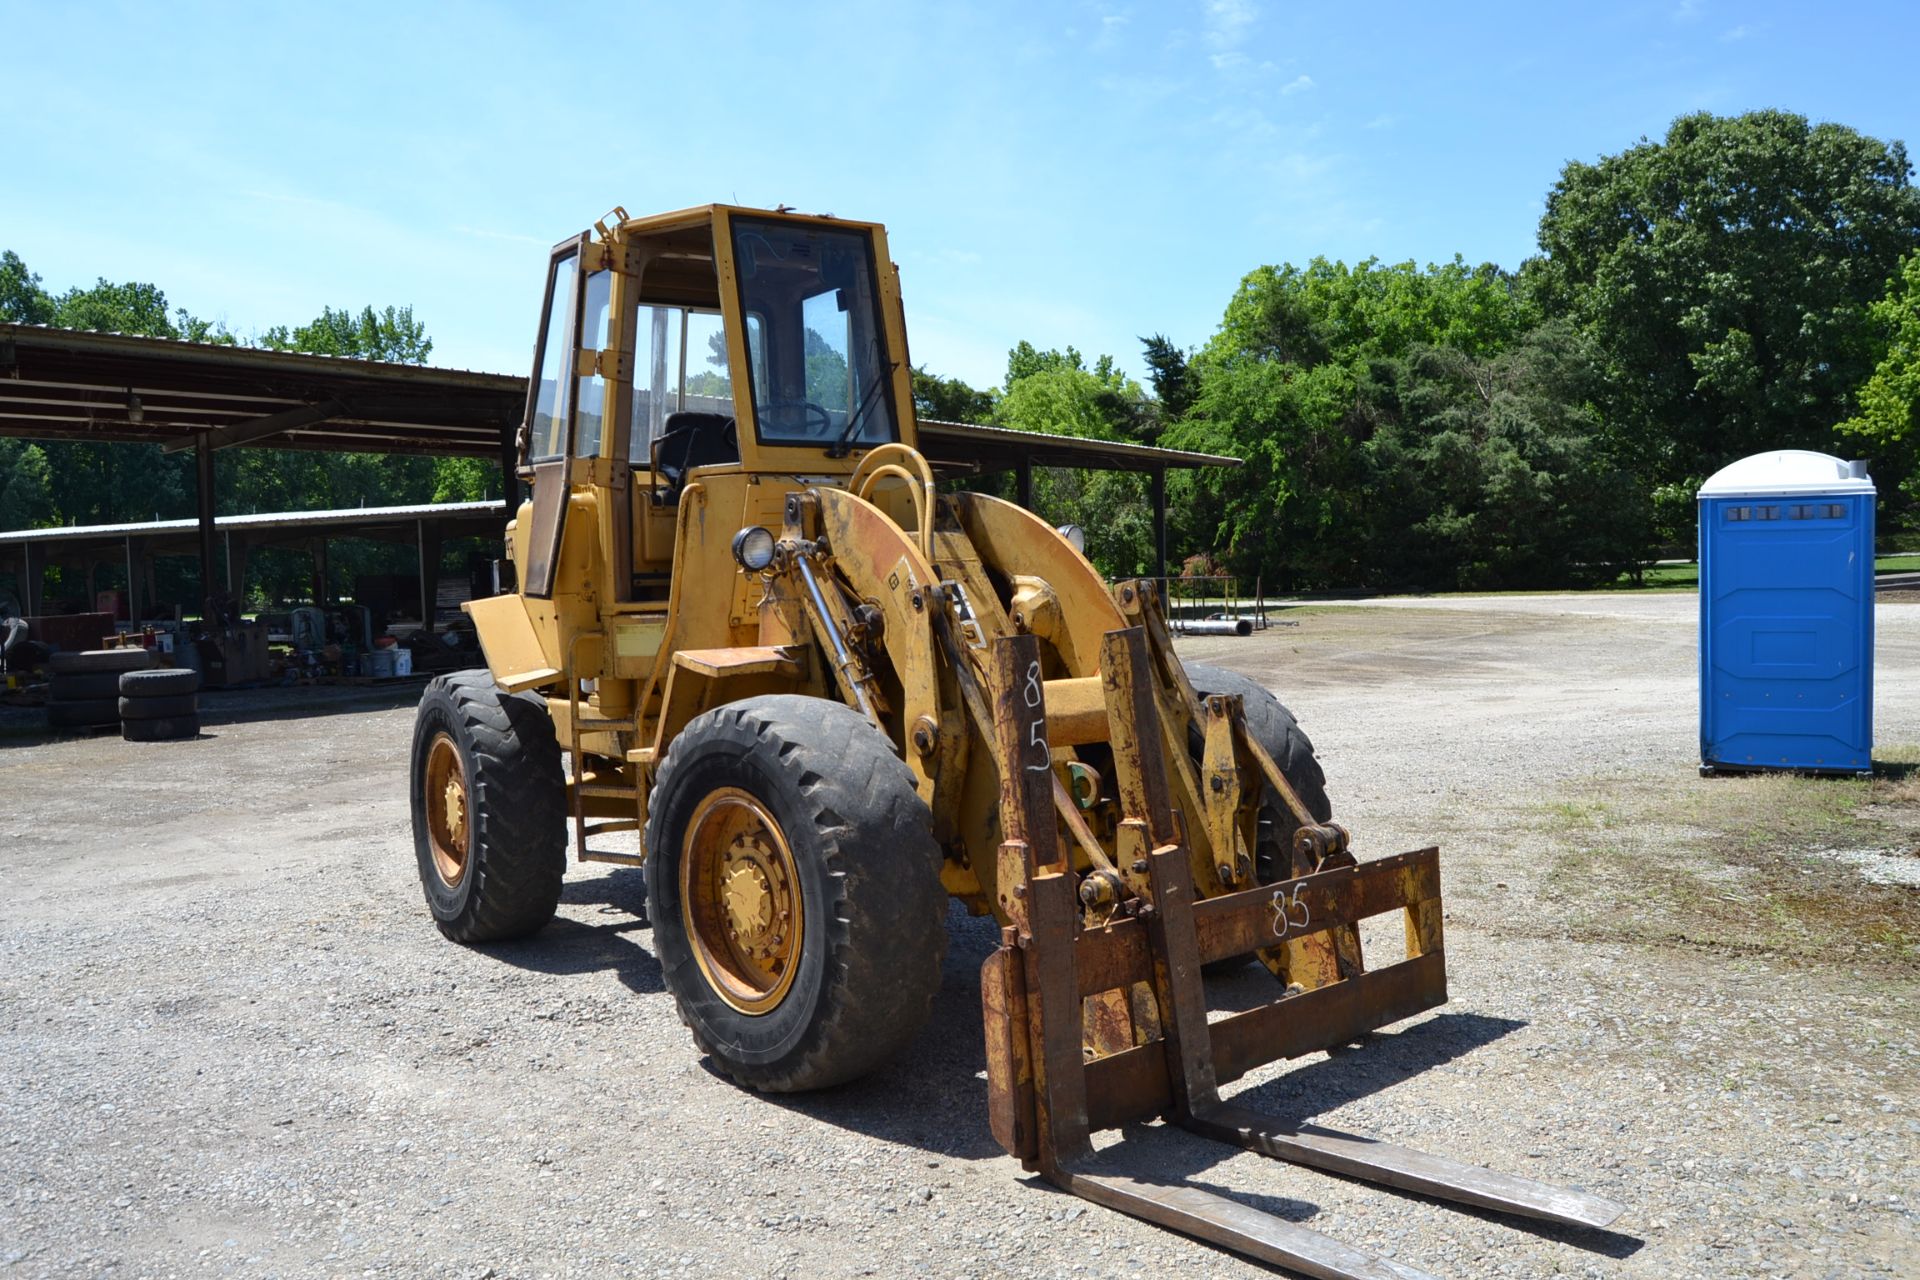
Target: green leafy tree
x=950, y=399
x=1307, y=365
x=1490, y=472
x=22, y=300
x=26, y=485
x=1172, y=383
x=131, y=308
x=1888, y=416
x=1724, y=274
x=826, y=373
x=1055, y=392
x=391, y=334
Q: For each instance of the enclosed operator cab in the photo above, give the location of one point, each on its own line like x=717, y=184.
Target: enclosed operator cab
x=707, y=345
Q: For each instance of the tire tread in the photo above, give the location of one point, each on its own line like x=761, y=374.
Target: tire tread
x=886, y=926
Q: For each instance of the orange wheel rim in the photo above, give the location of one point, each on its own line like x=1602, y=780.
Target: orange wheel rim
x=446, y=797
x=740, y=901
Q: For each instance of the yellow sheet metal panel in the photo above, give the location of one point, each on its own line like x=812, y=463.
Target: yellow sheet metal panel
x=511, y=644
x=636, y=645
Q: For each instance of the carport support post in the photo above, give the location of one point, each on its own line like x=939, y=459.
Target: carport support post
x=320, y=572
x=133, y=584
x=237, y=569
x=1024, y=471
x=33, y=580
x=203, y=497
x=1160, y=523
x=509, y=468
x=428, y=534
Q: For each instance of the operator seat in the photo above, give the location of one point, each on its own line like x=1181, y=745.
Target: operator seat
x=691, y=439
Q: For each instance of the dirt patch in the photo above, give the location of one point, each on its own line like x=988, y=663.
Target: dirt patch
x=1814, y=868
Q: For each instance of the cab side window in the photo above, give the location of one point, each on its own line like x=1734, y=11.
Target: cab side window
x=595, y=319
x=548, y=427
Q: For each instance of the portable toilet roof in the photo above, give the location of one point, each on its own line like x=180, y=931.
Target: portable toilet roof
x=1786, y=472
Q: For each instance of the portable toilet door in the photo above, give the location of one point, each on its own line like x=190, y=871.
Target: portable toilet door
x=1786, y=615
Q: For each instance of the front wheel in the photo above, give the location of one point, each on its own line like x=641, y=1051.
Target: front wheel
x=489, y=808
x=794, y=887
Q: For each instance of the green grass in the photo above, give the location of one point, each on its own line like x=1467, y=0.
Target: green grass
x=1671, y=577
x=1734, y=862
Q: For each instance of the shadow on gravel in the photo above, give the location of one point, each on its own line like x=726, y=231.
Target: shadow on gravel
x=568, y=946
x=1613, y=1244
x=934, y=1095
x=27, y=726
x=1382, y=1060
x=300, y=703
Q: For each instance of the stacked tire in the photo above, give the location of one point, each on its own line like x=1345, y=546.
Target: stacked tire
x=159, y=706
x=84, y=690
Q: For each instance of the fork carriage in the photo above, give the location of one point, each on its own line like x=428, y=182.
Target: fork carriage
x=1093, y=1026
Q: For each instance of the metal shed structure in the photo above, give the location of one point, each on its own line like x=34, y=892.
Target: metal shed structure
x=62, y=384
x=425, y=526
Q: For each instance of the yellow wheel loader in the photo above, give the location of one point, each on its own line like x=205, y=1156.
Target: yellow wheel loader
x=749, y=624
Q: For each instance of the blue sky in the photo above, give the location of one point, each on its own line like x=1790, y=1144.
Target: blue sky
x=1072, y=173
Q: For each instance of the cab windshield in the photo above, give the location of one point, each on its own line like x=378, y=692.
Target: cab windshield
x=813, y=325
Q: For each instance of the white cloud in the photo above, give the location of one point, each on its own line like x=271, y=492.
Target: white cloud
x=1228, y=24
x=1732, y=34
x=1299, y=84
x=1689, y=10
x=1228, y=21
x=1381, y=122
x=511, y=237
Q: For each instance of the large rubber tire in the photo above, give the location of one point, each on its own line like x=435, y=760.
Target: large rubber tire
x=169, y=729
x=161, y=707
x=82, y=688
x=516, y=810
x=84, y=713
x=872, y=908
x=157, y=682
x=89, y=661
x=1275, y=729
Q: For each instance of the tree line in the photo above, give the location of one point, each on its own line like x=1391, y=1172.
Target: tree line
x=1744, y=283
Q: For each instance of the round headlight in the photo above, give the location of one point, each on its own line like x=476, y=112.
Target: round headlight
x=1076, y=535
x=753, y=548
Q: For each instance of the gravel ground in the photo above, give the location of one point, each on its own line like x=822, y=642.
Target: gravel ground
x=231, y=1042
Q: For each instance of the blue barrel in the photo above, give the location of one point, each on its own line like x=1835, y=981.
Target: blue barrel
x=1786, y=615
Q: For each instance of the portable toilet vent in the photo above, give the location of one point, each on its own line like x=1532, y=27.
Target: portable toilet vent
x=1786, y=615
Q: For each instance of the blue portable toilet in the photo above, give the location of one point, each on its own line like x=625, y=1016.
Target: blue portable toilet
x=1786, y=614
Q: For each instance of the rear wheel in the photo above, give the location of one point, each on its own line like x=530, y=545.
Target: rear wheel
x=794, y=887
x=489, y=809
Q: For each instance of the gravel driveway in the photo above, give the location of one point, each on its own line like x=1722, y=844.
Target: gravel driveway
x=232, y=1043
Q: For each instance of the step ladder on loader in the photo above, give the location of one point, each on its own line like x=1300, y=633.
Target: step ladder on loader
x=1057, y=989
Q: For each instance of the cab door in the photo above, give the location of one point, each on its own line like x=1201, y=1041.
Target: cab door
x=548, y=429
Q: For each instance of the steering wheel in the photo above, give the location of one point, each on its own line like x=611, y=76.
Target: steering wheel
x=800, y=416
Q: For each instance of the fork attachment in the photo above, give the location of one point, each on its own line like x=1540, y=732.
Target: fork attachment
x=1058, y=1071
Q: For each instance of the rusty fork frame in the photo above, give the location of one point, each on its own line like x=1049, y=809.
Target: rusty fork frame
x=1131, y=990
